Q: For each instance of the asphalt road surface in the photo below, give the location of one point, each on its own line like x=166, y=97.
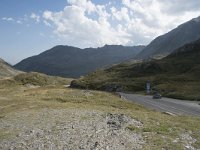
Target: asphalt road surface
x=168, y=105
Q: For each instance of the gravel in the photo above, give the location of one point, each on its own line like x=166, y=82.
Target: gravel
x=69, y=129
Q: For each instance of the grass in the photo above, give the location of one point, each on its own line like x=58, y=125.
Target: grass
x=180, y=87
x=4, y=134
x=39, y=79
x=175, y=76
x=158, y=129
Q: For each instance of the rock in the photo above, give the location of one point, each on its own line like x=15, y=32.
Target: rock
x=75, y=84
x=115, y=121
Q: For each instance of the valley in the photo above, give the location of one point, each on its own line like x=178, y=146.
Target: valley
x=106, y=75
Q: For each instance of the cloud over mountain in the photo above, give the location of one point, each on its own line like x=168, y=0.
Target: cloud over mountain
x=84, y=23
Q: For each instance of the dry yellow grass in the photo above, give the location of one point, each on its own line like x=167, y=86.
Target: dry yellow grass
x=160, y=130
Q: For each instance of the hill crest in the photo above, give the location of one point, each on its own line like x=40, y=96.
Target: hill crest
x=68, y=61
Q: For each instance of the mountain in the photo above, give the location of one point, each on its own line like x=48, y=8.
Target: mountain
x=167, y=43
x=176, y=75
x=6, y=70
x=67, y=61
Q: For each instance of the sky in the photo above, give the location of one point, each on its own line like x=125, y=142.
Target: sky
x=29, y=27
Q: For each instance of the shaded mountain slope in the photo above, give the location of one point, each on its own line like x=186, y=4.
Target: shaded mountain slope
x=67, y=61
x=6, y=70
x=167, y=43
x=176, y=75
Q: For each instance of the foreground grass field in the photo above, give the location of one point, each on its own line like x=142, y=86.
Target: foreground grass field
x=158, y=131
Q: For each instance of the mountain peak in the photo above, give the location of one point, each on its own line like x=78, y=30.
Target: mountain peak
x=74, y=62
x=107, y=45
x=197, y=19
x=167, y=43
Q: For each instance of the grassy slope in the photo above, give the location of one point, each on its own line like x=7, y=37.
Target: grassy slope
x=6, y=70
x=33, y=79
x=159, y=130
x=175, y=76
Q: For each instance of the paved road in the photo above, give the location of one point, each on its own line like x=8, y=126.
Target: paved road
x=169, y=105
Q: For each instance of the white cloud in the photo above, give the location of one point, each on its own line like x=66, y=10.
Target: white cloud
x=87, y=5
x=47, y=23
x=19, y=22
x=8, y=19
x=35, y=17
x=163, y=15
x=83, y=23
x=78, y=29
x=14, y=20
x=121, y=15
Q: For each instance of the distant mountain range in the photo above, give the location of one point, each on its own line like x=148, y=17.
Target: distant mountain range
x=167, y=43
x=6, y=70
x=67, y=61
x=176, y=75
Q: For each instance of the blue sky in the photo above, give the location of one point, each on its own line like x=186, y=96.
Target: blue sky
x=29, y=27
x=20, y=40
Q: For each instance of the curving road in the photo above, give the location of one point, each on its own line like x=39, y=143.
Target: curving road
x=168, y=105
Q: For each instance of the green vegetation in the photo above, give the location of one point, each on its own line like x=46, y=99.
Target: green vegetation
x=39, y=79
x=175, y=76
x=159, y=130
x=33, y=79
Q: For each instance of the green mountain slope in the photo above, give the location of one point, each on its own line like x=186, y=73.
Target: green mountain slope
x=176, y=75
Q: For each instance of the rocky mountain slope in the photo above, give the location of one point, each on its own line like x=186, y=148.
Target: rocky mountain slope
x=67, y=61
x=167, y=43
x=6, y=70
x=176, y=75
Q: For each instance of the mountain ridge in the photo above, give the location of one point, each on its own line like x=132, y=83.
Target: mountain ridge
x=165, y=44
x=69, y=61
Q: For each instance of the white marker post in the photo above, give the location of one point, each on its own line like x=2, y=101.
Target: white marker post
x=148, y=87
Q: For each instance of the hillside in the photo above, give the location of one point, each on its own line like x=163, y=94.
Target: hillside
x=67, y=61
x=6, y=70
x=37, y=113
x=33, y=79
x=167, y=43
x=176, y=75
